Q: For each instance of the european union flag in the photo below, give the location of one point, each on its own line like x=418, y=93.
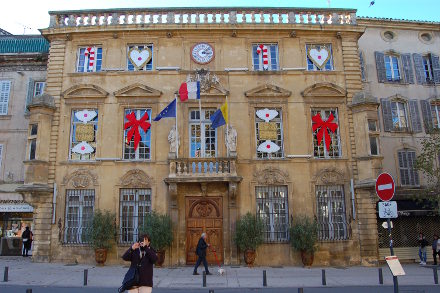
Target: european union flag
x=168, y=112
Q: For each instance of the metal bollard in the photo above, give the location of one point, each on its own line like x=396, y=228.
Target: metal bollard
x=380, y=276
x=86, y=272
x=204, y=279
x=211, y=291
x=300, y=290
x=264, y=279
x=5, y=276
x=28, y=290
x=434, y=270
x=324, y=281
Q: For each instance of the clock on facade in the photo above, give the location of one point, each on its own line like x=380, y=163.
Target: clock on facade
x=202, y=53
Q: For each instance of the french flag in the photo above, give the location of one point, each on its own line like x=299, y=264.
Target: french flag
x=189, y=90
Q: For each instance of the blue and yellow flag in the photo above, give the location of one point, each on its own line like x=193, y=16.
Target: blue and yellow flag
x=220, y=117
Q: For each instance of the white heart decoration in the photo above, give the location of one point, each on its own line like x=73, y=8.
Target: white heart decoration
x=139, y=57
x=83, y=148
x=319, y=57
x=85, y=115
x=268, y=147
x=267, y=114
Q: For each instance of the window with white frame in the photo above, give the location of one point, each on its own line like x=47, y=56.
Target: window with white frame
x=203, y=139
x=32, y=141
x=140, y=57
x=89, y=59
x=427, y=68
x=435, y=113
x=273, y=210
x=5, y=91
x=134, y=205
x=265, y=57
x=39, y=88
x=83, y=130
x=269, y=134
x=407, y=167
x=374, y=137
x=331, y=212
x=320, y=149
x=392, y=68
x=319, y=57
x=80, y=205
x=143, y=150
x=399, y=115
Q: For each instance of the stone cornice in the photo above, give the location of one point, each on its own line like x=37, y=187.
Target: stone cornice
x=383, y=23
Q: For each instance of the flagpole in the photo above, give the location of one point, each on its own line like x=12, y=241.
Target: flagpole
x=177, y=131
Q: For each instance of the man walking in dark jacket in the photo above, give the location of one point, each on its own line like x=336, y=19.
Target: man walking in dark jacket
x=201, y=252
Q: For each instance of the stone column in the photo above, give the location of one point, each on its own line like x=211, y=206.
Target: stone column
x=40, y=198
x=234, y=259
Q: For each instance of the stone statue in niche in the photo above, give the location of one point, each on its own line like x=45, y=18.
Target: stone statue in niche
x=231, y=139
x=173, y=140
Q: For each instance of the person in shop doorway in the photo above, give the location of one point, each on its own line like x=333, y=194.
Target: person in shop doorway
x=422, y=248
x=435, y=248
x=27, y=241
x=201, y=253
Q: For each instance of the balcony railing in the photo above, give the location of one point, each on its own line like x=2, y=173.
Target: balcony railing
x=197, y=167
x=201, y=16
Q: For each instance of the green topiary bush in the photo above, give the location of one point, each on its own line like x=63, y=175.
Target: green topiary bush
x=102, y=230
x=249, y=232
x=160, y=229
x=304, y=234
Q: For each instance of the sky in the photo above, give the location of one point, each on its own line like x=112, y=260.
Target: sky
x=27, y=16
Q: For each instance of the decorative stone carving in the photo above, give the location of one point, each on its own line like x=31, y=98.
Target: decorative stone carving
x=172, y=190
x=271, y=176
x=324, y=89
x=330, y=176
x=232, y=192
x=268, y=90
x=208, y=81
x=204, y=188
x=81, y=178
x=136, y=178
x=231, y=138
x=173, y=140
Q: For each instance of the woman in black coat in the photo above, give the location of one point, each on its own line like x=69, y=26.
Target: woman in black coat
x=27, y=241
x=141, y=253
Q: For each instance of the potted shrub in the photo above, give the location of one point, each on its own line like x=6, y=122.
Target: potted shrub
x=248, y=236
x=303, y=237
x=160, y=229
x=101, y=233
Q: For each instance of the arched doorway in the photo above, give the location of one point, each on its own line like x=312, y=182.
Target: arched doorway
x=204, y=215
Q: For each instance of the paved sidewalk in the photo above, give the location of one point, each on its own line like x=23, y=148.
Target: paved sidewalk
x=24, y=272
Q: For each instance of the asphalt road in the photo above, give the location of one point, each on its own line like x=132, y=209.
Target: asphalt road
x=348, y=289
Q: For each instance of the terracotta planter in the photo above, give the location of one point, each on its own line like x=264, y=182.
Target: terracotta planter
x=307, y=258
x=100, y=256
x=249, y=257
x=160, y=258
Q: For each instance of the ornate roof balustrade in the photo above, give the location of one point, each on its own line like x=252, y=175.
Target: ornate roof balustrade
x=202, y=16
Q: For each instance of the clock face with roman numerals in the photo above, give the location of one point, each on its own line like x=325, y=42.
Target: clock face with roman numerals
x=202, y=53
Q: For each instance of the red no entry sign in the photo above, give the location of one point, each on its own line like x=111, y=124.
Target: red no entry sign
x=385, y=186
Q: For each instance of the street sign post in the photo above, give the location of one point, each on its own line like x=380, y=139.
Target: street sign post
x=385, y=187
x=385, y=191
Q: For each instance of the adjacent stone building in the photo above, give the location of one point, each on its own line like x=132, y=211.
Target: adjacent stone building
x=23, y=61
x=401, y=70
x=292, y=82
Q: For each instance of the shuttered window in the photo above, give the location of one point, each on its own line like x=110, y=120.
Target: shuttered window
x=427, y=68
x=394, y=67
x=332, y=220
x=431, y=114
x=401, y=115
x=5, y=90
x=362, y=64
x=408, y=172
x=435, y=112
x=273, y=210
x=1, y=155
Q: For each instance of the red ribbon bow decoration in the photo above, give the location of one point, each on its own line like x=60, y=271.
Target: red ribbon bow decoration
x=134, y=125
x=324, y=125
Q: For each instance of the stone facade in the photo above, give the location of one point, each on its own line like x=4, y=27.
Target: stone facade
x=209, y=191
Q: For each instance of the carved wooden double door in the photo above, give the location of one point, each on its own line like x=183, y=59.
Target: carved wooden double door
x=204, y=214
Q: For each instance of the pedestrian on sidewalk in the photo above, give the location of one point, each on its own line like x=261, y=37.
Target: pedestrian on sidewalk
x=201, y=253
x=27, y=241
x=422, y=248
x=143, y=254
x=435, y=248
